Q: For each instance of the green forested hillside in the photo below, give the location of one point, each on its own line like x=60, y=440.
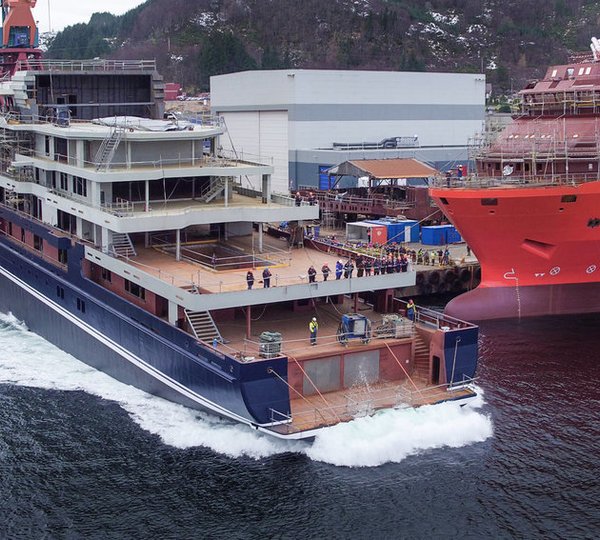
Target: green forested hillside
x=511, y=40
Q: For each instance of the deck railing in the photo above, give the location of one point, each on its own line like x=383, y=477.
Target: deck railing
x=248, y=261
x=433, y=318
x=365, y=402
x=483, y=182
x=87, y=65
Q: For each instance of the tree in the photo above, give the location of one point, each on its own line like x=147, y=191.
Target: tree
x=223, y=53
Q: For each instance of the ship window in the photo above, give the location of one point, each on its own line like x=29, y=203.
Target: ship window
x=497, y=166
x=554, y=72
x=22, y=235
x=62, y=256
x=568, y=198
x=47, y=149
x=80, y=305
x=588, y=70
x=38, y=243
x=444, y=200
x=135, y=289
x=106, y=275
x=60, y=292
x=581, y=70
x=80, y=186
x=64, y=181
x=489, y=202
x=10, y=228
x=570, y=72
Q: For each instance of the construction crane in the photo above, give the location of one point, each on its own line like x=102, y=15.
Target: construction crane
x=19, y=36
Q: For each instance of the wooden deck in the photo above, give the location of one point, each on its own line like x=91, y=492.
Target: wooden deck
x=183, y=273
x=317, y=411
x=293, y=327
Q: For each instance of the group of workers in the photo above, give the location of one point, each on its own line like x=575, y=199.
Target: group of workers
x=266, y=278
x=431, y=257
x=311, y=199
x=389, y=263
x=365, y=266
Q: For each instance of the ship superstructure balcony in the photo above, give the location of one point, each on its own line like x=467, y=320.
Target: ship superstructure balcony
x=199, y=287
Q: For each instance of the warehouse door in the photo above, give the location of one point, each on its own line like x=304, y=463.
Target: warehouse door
x=260, y=136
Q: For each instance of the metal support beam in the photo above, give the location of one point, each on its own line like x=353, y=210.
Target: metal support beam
x=266, y=188
x=173, y=312
x=248, y=322
x=260, y=237
x=178, y=245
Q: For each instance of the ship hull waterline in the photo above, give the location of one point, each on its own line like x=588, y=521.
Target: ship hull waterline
x=537, y=247
x=487, y=303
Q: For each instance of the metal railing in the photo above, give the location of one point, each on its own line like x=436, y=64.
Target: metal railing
x=87, y=65
x=14, y=117
x=433, y=318
x=340, y=199
x=285, y=200
x=482, y=182
x=273, y=256
x=316, y=417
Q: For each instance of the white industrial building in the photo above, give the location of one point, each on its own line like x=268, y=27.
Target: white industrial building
x=304, y=121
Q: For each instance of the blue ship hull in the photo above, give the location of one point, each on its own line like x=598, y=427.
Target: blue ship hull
x=128, y=343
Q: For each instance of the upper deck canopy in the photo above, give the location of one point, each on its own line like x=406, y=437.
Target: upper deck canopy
x=383, y=169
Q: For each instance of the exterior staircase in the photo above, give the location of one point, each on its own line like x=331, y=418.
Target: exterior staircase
x=203, y=326
x=123, y=246
x=107, y=149
x=421, y=358
x=215, y=189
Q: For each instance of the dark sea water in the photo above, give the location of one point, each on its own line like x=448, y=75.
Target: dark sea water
x=82, y=456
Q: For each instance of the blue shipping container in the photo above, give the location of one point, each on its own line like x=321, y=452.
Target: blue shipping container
x=454, y=236
x=412, y=234
x=397, y=229
x=435, y=235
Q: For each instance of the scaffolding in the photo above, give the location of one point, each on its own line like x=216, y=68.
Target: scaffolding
x=540, y=150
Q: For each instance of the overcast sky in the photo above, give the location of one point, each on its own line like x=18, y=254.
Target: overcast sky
x=66, y=12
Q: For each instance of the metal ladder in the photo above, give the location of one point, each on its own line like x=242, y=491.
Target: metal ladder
x=107, y=149
x=203, y=326
x=421, y=357
x=213, y=191
x=123, y=246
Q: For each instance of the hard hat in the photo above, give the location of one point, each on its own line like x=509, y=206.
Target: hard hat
x=315, y=319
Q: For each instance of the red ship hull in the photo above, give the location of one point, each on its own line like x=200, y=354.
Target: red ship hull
x=538, y=246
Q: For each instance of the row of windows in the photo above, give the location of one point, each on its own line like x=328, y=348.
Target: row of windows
x=494, y=202
x=130, y=287
x=60, y=293
x=38, y=243
x=79, y=185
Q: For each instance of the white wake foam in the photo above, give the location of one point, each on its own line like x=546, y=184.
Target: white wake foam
x=390, y=436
